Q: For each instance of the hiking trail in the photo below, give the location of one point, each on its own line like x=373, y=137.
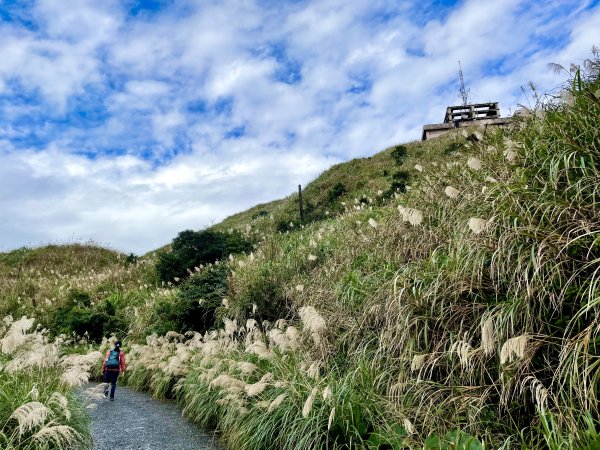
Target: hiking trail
x=136, y=421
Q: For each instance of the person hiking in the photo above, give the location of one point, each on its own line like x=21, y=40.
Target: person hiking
x=114, y=363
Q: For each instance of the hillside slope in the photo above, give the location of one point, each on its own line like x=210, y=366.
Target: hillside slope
x=449, y=299
x=461, y=311
x=362, y=180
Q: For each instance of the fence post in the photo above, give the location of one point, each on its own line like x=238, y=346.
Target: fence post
x=300, y=203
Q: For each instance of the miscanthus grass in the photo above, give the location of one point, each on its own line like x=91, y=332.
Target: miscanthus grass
x=38, y=407
x=462, y=307
x=469, y=300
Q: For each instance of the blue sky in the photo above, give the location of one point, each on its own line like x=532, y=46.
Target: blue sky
x=126, y=121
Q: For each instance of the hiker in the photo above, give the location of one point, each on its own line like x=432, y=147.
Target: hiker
x=114, y=362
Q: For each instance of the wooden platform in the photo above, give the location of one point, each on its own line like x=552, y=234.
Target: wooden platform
x=481, y=114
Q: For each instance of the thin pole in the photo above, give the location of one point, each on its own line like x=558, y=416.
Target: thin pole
x=464, y=93
x=300, y=203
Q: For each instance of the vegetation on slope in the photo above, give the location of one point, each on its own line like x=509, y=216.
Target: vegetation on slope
x=38, y=405
x=369, y=180
x=447, y=300
x=463, y=307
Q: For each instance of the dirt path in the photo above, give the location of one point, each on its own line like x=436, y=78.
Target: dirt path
x=135, y=421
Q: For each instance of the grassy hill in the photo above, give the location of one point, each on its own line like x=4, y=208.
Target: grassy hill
x=438, y=295
x=369, y=180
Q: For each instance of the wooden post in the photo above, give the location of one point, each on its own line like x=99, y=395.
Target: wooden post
x=300, y=203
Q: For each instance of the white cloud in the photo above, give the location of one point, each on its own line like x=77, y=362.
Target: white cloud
x=192, y=113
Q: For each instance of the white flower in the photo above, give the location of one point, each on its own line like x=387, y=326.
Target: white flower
x=408, y=426
x=309, y=402
x=312, y=258
x=30, y=415
x=373, y=223
x=477, y=225
x=488, y=337
x=417, y=362
x=252, y=390
x=510, y=155
x=419, y=167
x=474, y=163
x=514, y=348
x=331, y=417
x=451, y=192
x=413, y=216
x=278, y=401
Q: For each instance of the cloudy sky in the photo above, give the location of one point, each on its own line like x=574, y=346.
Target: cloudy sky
x=127, y=121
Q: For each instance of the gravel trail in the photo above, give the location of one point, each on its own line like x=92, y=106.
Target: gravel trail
x=136, y=421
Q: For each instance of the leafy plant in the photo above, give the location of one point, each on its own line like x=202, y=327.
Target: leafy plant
x=192, y=249
x=337, y=191
x=453, y=440
x=399, y=154
x=195, y=305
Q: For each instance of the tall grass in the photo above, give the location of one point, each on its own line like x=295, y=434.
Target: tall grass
x=456, y=308
x=462, y=311
x=38, y=405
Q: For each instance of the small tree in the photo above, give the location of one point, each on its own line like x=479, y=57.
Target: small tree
x=193, y=248
x=399, y=153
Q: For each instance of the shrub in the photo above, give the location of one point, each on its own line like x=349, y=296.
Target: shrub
x=78, y=315
x=260, y=213
x=194, y=307
x=337, y=191
x=132, y=259
x=236, y=243
x=283, y=226
x=399, y=153
x=194, y=248
x=453, y=148
x=399, y=181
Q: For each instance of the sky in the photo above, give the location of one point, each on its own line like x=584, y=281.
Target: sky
x=123, y=122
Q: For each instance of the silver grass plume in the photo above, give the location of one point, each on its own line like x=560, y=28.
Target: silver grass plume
x=488, y=337
x=308, y=404
x=514, y=348
x=30, y=415
x=62, y=436
x=277, y=402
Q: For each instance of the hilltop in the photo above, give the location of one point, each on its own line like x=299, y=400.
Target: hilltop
x=369, y=180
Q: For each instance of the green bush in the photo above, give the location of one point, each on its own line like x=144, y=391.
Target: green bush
x=263, y=296
x=399, y=181
x=261, y=213
x=194, y=248
x=399, y=153
x=283, y=226
x=452, y=148
x=78, y=315
x=337, y=191
x=197, y=299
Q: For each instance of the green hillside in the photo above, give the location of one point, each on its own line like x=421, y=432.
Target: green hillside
x=438, y=295
x=371, y=180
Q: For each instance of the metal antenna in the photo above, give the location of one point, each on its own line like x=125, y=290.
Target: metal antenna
x=464, y=93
